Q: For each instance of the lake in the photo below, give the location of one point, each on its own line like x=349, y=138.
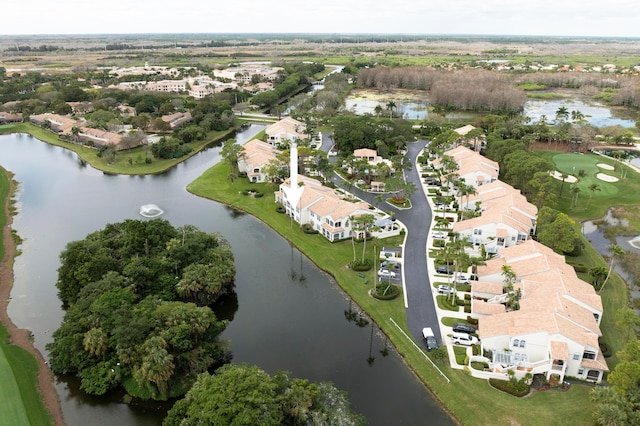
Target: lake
x=286, y=315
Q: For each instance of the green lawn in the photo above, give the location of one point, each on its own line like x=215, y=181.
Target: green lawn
x=471, y=401
x=622, y=193
x=11, y=406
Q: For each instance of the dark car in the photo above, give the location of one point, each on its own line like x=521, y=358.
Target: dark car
x=444, y=270
x=429, y=338
x=463, y=328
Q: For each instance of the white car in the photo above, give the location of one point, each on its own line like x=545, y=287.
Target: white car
x=444, y=289
x=461, y=279
x=463, y=339
x=438, y=234
x=386, y=273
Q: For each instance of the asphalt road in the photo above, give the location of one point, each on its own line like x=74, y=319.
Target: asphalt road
x=421, y=311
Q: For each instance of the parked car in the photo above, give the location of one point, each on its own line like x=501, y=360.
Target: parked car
x=463, y=339
x=429, y=338
x=388, y=264
x=439, y=234
x=386, y=273
x=444, y=270
x=444, y=289
x=461, y=279
x=463, y=328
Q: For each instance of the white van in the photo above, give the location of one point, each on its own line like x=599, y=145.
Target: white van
x=463, y=339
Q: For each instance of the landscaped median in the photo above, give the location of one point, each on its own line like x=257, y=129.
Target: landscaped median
x=471, y=401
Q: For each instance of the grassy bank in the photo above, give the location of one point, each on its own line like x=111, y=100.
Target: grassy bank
x=471, y=401
x=129, y=162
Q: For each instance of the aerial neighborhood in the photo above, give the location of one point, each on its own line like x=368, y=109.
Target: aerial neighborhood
x=452, y=223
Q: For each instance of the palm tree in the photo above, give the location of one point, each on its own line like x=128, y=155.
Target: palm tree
x=95, y=341
x=575, y=191
x=513, y=296
x=562, y=113
x=577, y=116
x=391, y=106
x=378, y=110
x=598, y=273
x=616, y=250
x=476, y=261
x=593, y=188
x=563, y=176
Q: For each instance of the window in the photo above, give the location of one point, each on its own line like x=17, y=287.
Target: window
x=513, y=238
x=580, y=371
x=477, y=231
x=576, y=357
x=589, y=355
x=516, y=342
x=522, y=343
x=338, y=224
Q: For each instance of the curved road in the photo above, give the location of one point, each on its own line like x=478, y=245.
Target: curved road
x=421, y=310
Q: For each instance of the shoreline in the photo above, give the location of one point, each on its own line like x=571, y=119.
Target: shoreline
x=19, y=336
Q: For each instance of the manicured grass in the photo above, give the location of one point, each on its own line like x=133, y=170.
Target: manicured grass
x=128, y=162
x=11, y=406
x=471, y=401
x=624, y=192
x=20, y=400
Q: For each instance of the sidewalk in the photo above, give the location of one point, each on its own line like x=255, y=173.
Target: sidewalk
x=445, y=331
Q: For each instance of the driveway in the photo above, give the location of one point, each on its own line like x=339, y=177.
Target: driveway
x=421, y=310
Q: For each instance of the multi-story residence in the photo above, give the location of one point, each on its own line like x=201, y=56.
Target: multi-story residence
x=473, y=168
x=75, y=130
x=255, y=158
x=325, y=209
x=556, y=328
x=506, y=218
x=499, y=226
x=245, y=72
x=287, y=129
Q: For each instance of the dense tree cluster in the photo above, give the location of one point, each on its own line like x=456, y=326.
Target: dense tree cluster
x=619, y=403
x=472, y=90
x=137, y=296
x=477, y=90
x=246, y=395
x=354, y=132
x=290, y=85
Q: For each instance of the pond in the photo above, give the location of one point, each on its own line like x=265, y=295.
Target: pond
x=286, y=314
x=413, y=106
x=631, y=244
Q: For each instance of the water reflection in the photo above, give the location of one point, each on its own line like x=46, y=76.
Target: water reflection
x=596, y=114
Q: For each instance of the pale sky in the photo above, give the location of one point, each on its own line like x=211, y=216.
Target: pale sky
x=612, y=18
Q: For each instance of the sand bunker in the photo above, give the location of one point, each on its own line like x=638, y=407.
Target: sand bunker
x=606, y=178
x=569, y=179
x=605, y=166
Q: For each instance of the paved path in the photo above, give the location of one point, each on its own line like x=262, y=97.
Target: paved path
x=421, y=309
